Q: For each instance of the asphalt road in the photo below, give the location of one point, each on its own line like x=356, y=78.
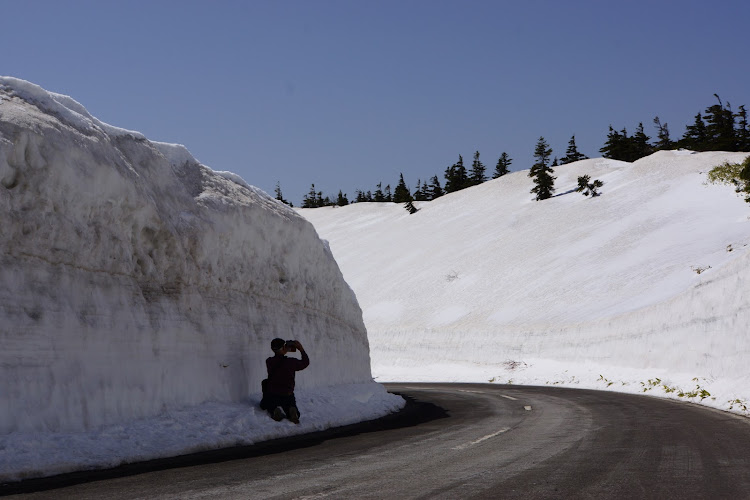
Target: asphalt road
x=465, y=441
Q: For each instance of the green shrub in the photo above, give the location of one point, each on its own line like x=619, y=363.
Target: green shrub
x=737, y=174
x=726, y=173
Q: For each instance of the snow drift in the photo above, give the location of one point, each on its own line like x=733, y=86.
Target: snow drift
x=649, y=280
x=135, y=281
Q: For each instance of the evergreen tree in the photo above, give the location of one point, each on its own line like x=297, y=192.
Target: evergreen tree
x=639, y=146
x=662, y=134
x=363, y=197
x=279, y=196
x=572, y=154
x=583, y=182
x=589, y=188
x=417, y=194
x=388, y=196
x=541, y=172
x=456, y=177
x=401, y=193
x=310, y=200
x=435, y=190
x=409, y=206
x=695, y=137
x=616, y=145
x=422, y=193
x=743, y=132
x=503, y=166
x=342, y=200
x=378, y=196
x=478, y=169
x=621, y=147
x=720, y=134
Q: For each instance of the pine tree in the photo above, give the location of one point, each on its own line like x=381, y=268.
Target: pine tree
x=342, y=200
x=639, y=146
x=695, y=137
x=503, y=166
x=477, y=175
x=363, y=197
x=409, y=206
x=379, y=196
x=310, y=200
x=449, y=175
x=435, y=190
x=720, y=127
x=541, y=172
x=424, y=193
x=743, y=132
x=279, y=196
x=572, y=154
x=615, y=147
x=589, y=188
x=417, y=194
x=456, y=177
x=662, y=133
x=388, y=196
x=621, y=147
x=401, y=193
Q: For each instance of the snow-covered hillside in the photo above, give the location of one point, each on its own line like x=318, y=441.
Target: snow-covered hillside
x=644, y=288
x=136, y=283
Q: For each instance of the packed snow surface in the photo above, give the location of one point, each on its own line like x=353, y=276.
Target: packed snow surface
x=139, y=293
x=645, y=288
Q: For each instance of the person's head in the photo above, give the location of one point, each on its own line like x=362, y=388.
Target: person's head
x=277, y=346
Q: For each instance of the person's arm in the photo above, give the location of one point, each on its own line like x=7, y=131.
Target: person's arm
x=305, y=361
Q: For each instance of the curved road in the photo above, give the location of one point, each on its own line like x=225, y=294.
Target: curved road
x=467, y=441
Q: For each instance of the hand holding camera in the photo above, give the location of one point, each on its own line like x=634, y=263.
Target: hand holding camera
x=293, y=345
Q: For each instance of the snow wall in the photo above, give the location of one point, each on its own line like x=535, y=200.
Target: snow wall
x=650, y=280
x=134, y=280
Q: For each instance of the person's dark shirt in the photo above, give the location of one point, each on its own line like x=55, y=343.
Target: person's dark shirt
x=281, y=372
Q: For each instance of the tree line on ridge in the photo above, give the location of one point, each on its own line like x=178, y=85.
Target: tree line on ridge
x=718, y=128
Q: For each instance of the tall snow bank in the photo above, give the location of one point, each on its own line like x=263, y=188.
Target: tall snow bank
x=649, y=280
x=135, y=281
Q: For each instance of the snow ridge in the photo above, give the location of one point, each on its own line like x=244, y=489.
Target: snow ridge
x=648, y=280
x=66, y=108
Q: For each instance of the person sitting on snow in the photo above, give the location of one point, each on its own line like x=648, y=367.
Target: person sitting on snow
x=278, y=389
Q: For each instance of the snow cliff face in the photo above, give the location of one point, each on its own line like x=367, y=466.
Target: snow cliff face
x=135, y=280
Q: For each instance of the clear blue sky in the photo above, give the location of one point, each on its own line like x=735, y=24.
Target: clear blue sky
x=345, y=94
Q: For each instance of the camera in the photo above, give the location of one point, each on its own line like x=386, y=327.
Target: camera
x=290, y=345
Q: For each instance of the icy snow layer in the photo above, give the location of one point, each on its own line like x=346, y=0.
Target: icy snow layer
x=136, y=282
x=645, y=288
